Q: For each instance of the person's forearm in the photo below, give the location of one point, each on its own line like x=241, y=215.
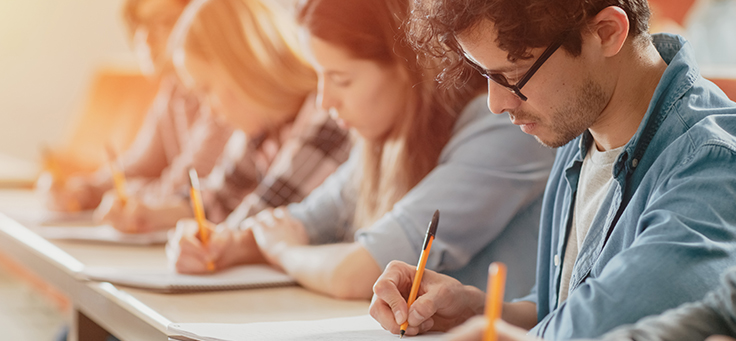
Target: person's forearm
x=345, y=270
x=522, y=314
x=246, y=250
x=165, y=216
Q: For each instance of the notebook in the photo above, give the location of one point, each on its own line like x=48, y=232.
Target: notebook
x=101, y=234
x=37, y=216
x=361, y=327
x=240, y=277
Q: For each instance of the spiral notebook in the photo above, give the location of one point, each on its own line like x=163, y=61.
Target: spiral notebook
x=240, y=277
x=361, y=327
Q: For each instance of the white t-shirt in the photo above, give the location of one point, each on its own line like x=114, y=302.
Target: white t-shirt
x=596, y=177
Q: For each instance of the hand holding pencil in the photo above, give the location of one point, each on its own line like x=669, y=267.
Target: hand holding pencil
x=440, y=302
x=428, y=239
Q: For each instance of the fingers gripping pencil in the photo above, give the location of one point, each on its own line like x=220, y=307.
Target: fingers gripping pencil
x=428, y=239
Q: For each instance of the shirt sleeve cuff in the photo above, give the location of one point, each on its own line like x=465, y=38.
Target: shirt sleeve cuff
x=385, y=241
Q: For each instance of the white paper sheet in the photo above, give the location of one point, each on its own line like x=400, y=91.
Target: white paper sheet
x=101, y=233
x=239, y=277
x=40, y=216
x=357, y=328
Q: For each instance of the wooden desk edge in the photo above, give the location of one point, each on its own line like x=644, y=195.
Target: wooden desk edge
x=60, y=269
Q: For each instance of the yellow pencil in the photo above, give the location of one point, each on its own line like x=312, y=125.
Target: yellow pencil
x=428, y=239
x=118, y=176
x=198, y=208
x=494, y=298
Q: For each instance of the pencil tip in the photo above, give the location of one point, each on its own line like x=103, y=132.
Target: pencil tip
x=435, y=221
x=401, y=334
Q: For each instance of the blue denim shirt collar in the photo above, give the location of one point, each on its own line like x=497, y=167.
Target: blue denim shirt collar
x=678, y=78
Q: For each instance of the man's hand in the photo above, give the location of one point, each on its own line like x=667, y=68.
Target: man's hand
x=442, y=302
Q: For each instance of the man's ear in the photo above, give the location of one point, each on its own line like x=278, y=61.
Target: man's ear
x=610, y=28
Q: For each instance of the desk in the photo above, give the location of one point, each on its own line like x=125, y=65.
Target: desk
x=133, y=314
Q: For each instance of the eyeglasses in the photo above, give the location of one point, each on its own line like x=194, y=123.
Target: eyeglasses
x=516, y=88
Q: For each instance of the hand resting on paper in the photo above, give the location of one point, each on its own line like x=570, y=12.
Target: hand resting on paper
x=275, y=231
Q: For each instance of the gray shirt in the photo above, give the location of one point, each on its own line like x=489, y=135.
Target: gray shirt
x=487, y=186
x=715, y=314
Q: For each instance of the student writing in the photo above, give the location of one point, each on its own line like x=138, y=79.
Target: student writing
x=638, y=212
x=422, y=146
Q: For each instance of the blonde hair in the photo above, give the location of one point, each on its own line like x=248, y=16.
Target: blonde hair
x=372, y=30
x=132, y=9
x=254, y=44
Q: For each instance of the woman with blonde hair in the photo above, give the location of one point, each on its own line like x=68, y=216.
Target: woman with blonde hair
x=422, y=146
x=243, y=57
x=179, y=132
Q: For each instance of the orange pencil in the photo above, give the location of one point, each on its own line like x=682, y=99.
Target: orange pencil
x=494, y=298
x=118, y=176
x=431, y=230
x=198, y=208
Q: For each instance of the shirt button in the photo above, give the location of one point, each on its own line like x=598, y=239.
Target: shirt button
x=634, y=163
x=557, y=260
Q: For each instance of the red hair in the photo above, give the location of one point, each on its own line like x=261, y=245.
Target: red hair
x=372, y=30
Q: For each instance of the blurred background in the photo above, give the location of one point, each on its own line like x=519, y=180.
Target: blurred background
x=49, y=51
x=56, y=58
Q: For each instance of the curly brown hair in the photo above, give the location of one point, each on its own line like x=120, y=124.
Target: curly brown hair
x=520, y=25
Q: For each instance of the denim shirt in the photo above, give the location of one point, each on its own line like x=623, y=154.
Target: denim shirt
x=667, y=227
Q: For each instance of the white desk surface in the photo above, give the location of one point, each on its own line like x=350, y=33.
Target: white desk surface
x=133, y=314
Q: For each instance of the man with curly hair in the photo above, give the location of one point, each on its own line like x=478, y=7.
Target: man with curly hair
x=638, y=212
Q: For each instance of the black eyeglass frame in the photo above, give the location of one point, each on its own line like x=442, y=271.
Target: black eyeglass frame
x=516, y=88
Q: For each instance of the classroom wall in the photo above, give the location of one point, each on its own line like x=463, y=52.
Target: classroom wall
x=48, y=51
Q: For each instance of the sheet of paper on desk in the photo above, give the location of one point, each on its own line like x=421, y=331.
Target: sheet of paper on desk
x=361, y=327
x=101, y=234
x=239, y=277
x=40, y=216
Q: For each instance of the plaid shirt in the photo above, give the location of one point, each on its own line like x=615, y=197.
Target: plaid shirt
x=179, y=132
x=276, y=170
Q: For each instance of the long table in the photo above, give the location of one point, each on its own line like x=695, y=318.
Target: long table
x=134, y=314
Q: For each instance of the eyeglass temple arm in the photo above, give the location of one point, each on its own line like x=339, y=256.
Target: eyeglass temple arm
x=545, y=55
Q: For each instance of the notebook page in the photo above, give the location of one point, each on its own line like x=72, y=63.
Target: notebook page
x=357, y=328
x=101, y=233
x=164, y=280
